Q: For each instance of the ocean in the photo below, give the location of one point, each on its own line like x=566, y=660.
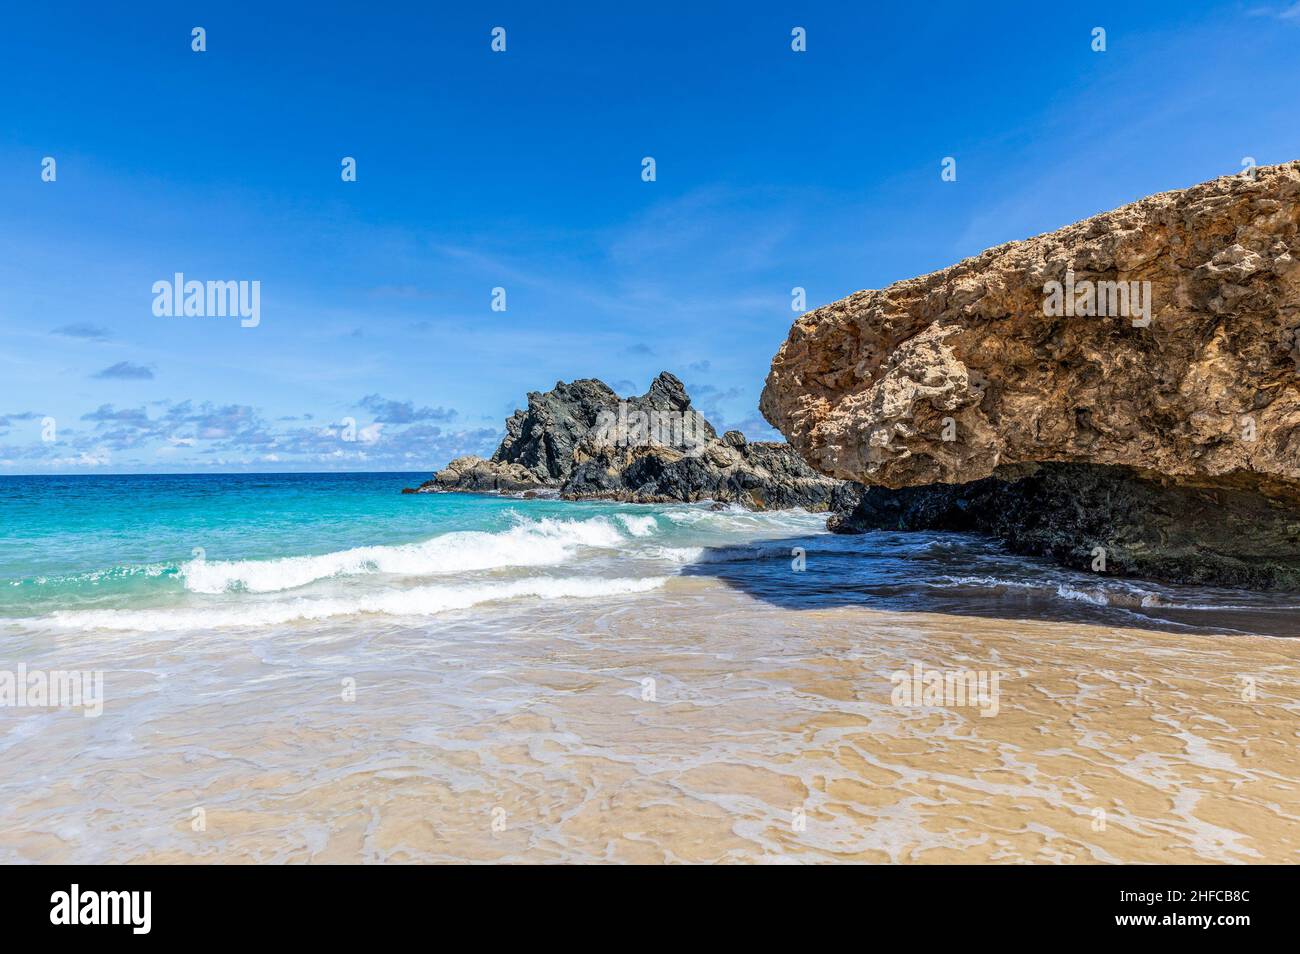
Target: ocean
x=316, y=667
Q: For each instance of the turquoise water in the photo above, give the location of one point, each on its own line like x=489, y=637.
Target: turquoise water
x=116, y=542
x=227, y=550
x=192, y=552
x=110, y=540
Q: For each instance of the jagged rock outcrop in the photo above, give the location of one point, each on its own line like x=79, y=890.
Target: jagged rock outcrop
x=1157, y=342
x=581, y=441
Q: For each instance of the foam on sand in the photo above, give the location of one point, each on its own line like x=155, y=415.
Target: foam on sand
x=415, y=602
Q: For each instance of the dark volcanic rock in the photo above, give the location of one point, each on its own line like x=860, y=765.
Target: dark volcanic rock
x=759, y=475
x=476, y=474
x=542, y=439
x=581, y=441
x=1144, y=525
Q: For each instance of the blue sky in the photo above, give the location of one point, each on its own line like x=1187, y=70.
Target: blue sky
x=522, y=170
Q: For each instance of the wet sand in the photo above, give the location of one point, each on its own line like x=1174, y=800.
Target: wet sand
x=767, y=735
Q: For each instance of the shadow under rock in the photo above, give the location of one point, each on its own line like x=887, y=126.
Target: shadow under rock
x=960, y=574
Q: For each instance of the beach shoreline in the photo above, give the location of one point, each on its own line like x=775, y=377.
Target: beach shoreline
x=346, y=674
x=764, y=735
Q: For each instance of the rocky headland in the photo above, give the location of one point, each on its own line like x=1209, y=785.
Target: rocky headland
x=1122, y=394
x=581, y=441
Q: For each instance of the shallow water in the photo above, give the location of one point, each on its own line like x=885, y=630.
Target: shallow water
x=351, y=674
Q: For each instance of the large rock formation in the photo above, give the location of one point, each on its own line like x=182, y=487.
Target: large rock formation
x=582, y=441
x=1149, y=355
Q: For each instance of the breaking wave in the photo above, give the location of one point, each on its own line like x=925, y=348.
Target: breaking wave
x=546, y=542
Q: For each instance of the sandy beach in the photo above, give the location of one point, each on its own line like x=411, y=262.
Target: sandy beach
x=694, y=724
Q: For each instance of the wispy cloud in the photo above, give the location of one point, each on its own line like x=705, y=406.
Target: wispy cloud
x=108, y=413
x=402, y=412
x=1284, y=12
x=6, y=419
x=202, y=435
x=126, y=371
x=84, y=330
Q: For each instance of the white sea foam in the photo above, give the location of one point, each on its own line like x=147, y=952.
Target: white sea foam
x=415, y=602
x=723, y=554
x=1096, y=596
x=735, y=519
x=544, y=542
x=638, y=525
x=1116, y=595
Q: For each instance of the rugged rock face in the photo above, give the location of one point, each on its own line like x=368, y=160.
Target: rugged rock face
x=582, y=441
x=545, y=439
x=1166, y=354
x=1106, y=520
